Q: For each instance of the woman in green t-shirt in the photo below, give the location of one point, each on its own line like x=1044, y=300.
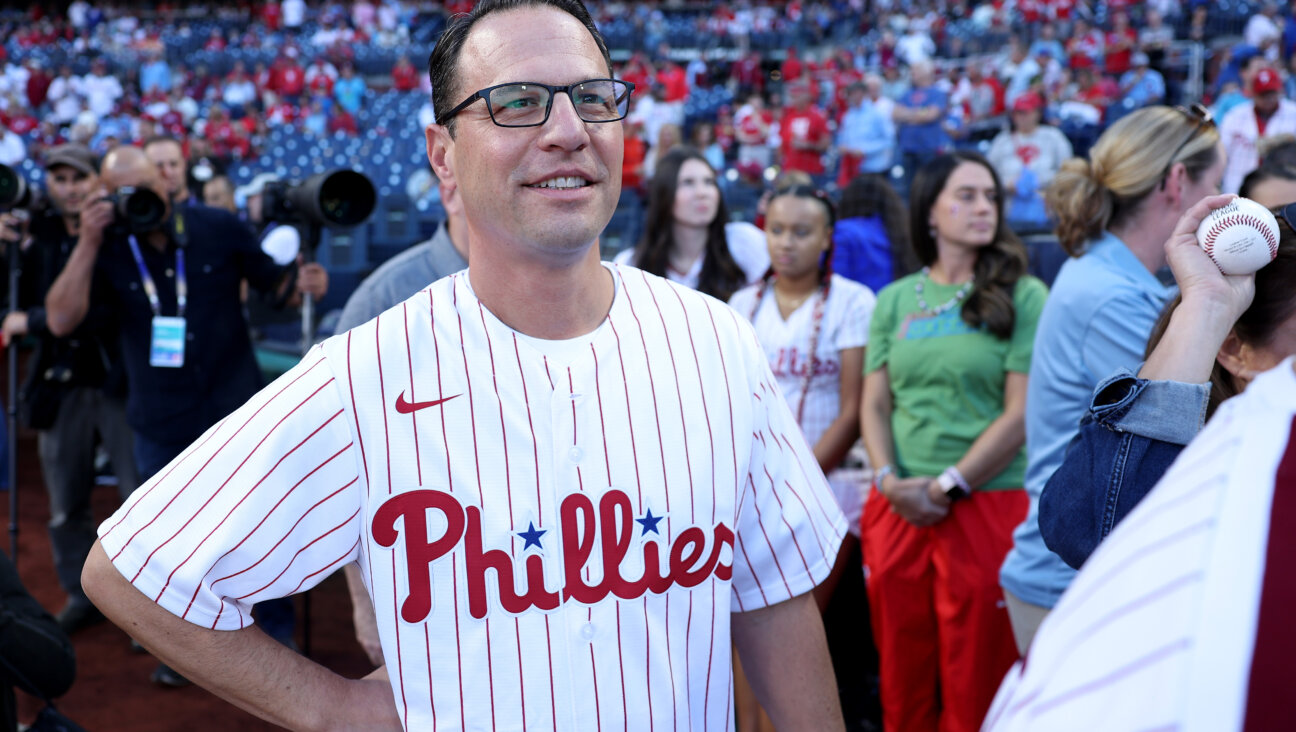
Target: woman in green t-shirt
x=943, y=419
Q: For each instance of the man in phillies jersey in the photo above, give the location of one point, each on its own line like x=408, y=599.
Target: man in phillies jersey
x=568, y=484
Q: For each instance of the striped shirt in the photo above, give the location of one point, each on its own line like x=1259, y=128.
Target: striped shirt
x=1182, y=618
x=548, y=545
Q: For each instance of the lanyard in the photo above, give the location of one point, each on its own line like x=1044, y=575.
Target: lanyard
x=817, y=325
x=150, y=288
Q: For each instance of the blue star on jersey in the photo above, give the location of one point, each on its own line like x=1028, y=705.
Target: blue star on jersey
x=532, y=536
x=649, y=523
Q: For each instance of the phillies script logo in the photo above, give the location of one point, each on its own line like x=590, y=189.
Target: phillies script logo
x=609, y=530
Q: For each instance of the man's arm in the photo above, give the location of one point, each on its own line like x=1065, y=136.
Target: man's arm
x=245, y=667
x=68, y=299
x=785, y=656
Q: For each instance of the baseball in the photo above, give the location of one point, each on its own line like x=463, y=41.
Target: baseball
x=1240, y=238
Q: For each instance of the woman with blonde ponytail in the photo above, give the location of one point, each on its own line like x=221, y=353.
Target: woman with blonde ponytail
x=1114, y=213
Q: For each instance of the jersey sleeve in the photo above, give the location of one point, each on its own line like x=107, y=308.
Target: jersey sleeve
x=854, y=330
x=265, y=504
x=1028, y=303
x=789, y=526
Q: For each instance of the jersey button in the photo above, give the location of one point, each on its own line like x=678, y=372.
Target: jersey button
x=575, y=454
x=587, y=631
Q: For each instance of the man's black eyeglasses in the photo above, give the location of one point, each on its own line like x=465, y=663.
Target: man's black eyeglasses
x=527, y=103
x=1202, y=119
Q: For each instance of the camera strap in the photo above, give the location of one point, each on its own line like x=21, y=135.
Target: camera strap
x=150, y=287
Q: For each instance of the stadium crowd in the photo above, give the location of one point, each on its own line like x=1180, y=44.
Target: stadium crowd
x=769, y=117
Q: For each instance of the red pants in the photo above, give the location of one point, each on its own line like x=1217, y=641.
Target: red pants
x=942, y=631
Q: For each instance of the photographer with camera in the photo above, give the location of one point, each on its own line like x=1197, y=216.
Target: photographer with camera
x=75, y=385
x=169, y=277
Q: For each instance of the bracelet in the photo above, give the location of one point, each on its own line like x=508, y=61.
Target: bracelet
x=881, y=473
x=959, y=480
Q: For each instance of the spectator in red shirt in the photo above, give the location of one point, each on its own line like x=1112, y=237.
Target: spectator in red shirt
x=674, y=81
x=288, y=78
x=215, y=42
x=792, y=67
x=320, y=76
x=637, y=72
x=342, y=121
x=749, y=75
x=636, y=151
x=404, y=76
x=1086, y=42
x=804, y=132
x=1119, y=44
x=38, y=83
x=271, y=15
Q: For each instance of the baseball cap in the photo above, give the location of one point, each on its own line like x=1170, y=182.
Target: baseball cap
x=1139, y=59
x=1266, y=80
x=1028, y=102
x=73, y=155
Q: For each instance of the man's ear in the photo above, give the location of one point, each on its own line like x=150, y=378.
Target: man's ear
x=1233, y=357
x=440, y=152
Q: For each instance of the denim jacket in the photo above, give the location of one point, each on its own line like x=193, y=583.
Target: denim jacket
x=1132, y=431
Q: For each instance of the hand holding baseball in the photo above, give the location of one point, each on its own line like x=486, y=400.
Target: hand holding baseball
x=1200, y=280
x=1241, y=236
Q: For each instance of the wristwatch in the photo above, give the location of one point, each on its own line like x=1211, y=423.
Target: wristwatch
x=881, y=473
x=951, y=486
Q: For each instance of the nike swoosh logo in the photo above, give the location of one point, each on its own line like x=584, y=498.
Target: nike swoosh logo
x=405, y=407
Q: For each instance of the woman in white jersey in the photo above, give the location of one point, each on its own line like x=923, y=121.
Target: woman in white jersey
x=688, y=237
x=813, y=326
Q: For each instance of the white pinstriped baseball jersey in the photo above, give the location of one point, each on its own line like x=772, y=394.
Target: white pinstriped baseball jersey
x=1181, y=620
x=845, y=324
x=548, y=545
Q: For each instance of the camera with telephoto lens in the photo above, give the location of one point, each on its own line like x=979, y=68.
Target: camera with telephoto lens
x=16, y=192
x=337, y=199
x=135, y=211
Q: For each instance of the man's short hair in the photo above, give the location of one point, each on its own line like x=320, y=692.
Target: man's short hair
x=443, y=64
x=156, y=139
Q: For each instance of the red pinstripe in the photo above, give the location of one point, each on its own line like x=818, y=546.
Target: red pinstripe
x=265, y=518
x=607, y=464
x=819, y=541
x=382, y=399
x=760, y=521
x=481, y=495
x=200, y=470
x=742, y=546
x=445, y=441
x=804, y=475
x=212, y=497
x=535, y=451
x=791, y=532
x=508, y=483
x=331, y=565
x=409, y=361
x=679, y=396
x=661, y=447
x=652, y=389
x=634, y=453
x=240, y=503
x=285, y=536
x=299, y=552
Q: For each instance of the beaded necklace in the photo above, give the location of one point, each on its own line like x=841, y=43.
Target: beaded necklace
x=816, y=319
x=950, y=304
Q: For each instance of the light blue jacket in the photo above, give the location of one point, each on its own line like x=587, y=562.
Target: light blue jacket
x=1097, y=319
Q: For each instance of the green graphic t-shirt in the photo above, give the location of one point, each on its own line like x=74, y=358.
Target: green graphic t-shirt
x=947, y=378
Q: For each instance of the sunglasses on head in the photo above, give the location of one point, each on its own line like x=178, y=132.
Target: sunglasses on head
x=1202, y=119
